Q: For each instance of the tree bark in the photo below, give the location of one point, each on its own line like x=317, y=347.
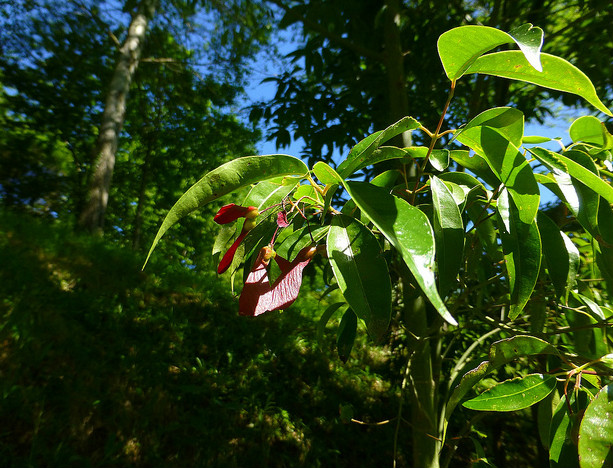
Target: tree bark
x=92, y=216
x=424, y=382
x=393, y=59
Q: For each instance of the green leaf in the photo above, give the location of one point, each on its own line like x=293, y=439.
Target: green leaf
x=266, y=194
x=589, y=201
x=604, y=260
x=386, y=179
x=534, y=140
x=508, y=121
x=560, y=164
x=492, y=138
x=439, y=159
x=449, y=231
x=408, y=230
x=384, y=153
x=306, y=193
x=564, y=430
x=346, y=334
x=544, y=415
x=359, y=154
x=458, y=48
x=467, y=183
x=557, y=74
x=588, y=129
x=288, y=247
x=325, y=318
x=322, y=172
x=361, y=273
x=596, y=430
x=561, y=257
x=486, y=231
x=477, y=165
x=521, y=245
x=500, y=353
x=226, y=178
x=514, y=394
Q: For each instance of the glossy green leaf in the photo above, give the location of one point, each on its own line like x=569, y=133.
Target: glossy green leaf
x=500, y=353
x=589, y=201
x=226, y=178
x=544, y=415
x=596, y=431
x=588, y=340
x=359, y=154
x=361, y=273
x=306, y=193
x=591, y=308
x=521, y=245
x=604, y=260
x=493, y=141
x=466, y=182
x=322, y=172
x=439, y=159
x=266, y=193
x=580, y=186
x=449, y=232
x=588, y=129
x=289, y=246
x=508, y=121
x=384, y=153
x=346, y=334
x=486, y=230
x=386, y=179
x=514, y=394
x=407, y=228
x=458, y=192
x=549, y=182
x=562, y=165
x=325, y=318
x=557, y=74
x=534, y=140
x=458, y=48
x=564, y=430
x=561, y=257
x=477, y=165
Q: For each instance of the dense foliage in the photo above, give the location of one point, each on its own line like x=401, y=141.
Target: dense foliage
x=496, y=308
x=416, y=303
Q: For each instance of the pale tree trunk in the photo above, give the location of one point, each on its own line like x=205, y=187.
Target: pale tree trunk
x=92, y=216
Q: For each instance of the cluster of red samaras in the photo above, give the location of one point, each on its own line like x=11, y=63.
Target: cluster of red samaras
x=259, y=295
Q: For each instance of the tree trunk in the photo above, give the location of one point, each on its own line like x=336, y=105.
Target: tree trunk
x=394, y=69
x=92, y=216
x=424, y=382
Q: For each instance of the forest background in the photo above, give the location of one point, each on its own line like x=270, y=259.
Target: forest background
x=103, y=364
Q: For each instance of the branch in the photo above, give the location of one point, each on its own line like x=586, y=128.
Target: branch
x=332, y=37
x=99, y=22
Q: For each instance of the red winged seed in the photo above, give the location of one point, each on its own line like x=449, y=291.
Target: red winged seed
x=232, y=212
x=256, y=286
x=260, y=296
x=226, y=261
x=282, y=219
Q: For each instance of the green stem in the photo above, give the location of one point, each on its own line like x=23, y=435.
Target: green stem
x=435, y=136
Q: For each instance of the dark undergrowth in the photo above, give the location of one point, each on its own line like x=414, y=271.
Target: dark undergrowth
x=102, y=364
